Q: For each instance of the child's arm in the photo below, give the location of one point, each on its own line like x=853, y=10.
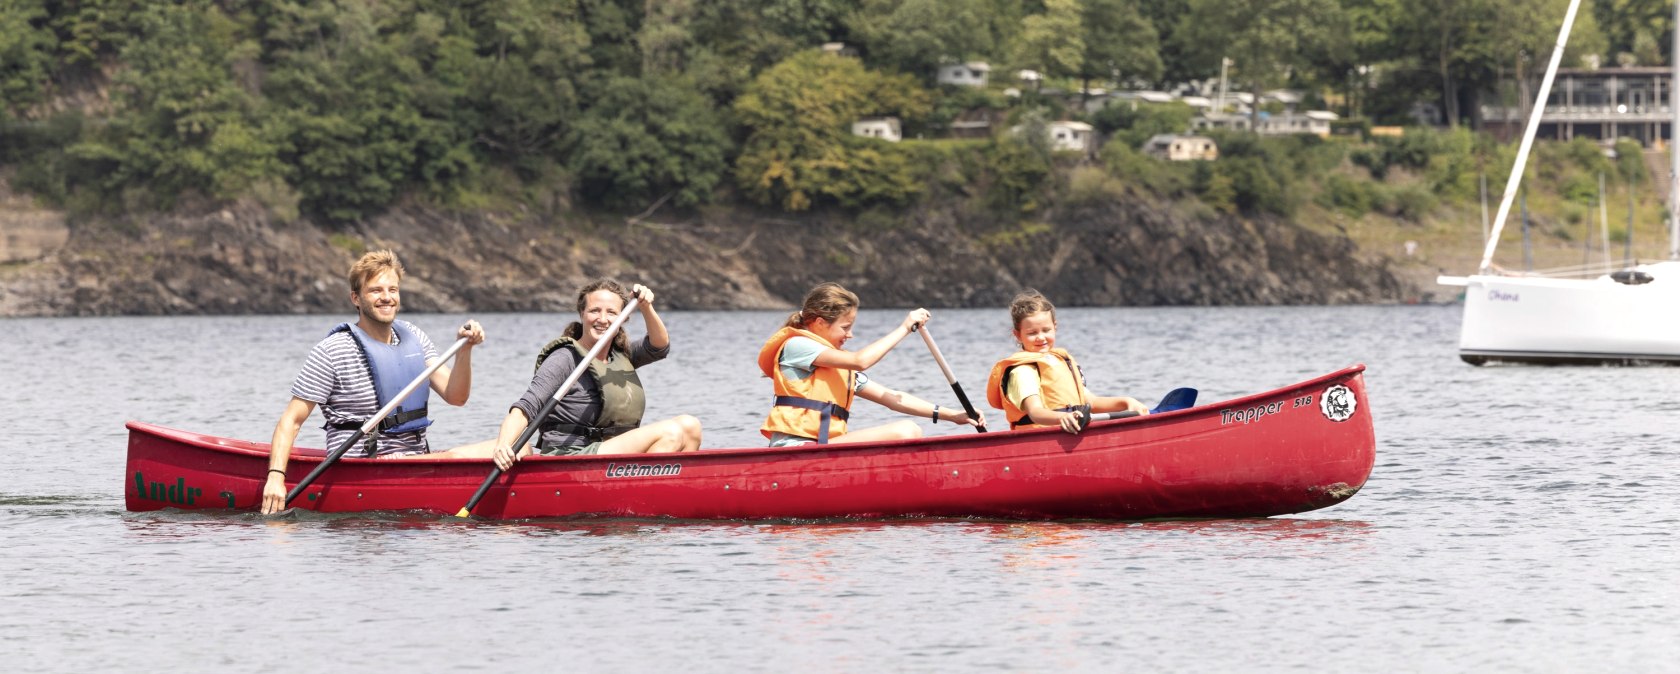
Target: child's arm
x=1118, y=404
x=868, y=356
x=904, y=403
x=1044, y=416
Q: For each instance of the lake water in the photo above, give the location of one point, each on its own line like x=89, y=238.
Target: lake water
x=1519, y=519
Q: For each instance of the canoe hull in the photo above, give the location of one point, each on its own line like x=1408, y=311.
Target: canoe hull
x=1285, y=451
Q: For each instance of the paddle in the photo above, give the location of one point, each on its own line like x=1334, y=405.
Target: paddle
x=373, y=422
x=532, y=425
x=939, y=358
x=1176, y=399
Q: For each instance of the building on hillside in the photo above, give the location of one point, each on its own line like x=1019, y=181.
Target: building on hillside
x=1602, y=104
x=884, y=128
x=1070, y=136
x=1315, y=122
x=1221, y=120
x=976, y=123
x=1181, y=147
x=971, y=74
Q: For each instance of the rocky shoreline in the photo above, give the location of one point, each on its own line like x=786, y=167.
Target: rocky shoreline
x=238, y=260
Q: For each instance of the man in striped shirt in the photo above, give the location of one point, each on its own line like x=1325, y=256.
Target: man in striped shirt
x=338, y=376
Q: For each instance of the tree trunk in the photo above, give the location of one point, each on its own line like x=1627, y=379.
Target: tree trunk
x=1254, y=108
x=1449, y=97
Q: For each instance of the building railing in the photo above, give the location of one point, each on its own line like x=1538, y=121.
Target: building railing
x=1583, y=113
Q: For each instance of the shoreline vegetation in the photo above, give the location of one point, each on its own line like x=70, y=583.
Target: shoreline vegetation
x=224, y=158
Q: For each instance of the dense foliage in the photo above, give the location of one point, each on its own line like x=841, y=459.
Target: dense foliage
x=339, y=109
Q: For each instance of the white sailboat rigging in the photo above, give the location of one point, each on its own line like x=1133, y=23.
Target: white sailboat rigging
x=1626, y=316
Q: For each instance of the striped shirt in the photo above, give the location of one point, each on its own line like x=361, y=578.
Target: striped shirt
x=337, y=378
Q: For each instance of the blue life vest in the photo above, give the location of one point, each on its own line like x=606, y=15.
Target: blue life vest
x=393, y=367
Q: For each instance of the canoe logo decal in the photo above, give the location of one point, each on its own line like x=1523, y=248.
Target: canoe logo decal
x=643, y=469
x=1338, y=403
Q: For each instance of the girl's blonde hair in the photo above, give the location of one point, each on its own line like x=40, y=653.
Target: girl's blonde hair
x=575, y=329
x=1027, y=303
x=828, y=301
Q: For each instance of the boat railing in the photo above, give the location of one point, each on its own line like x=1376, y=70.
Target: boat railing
x=1589, y=270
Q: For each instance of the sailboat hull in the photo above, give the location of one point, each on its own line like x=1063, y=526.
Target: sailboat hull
x=1572, y=321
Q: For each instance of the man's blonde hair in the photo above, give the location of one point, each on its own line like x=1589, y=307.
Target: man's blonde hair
x=373, y=264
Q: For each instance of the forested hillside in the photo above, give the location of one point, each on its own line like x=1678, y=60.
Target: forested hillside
x=337, y=109
x=329, y=114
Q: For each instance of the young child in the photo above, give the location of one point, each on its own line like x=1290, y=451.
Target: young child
x=815, y=379
x=1051, y=392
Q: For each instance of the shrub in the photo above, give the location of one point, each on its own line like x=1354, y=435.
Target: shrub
x=1089, y=185
x=1352, y=197
x=1413, y=202
x=1132, y=127
x=1165, y=178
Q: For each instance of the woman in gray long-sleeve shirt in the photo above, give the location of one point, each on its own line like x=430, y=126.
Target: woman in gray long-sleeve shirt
x=602, y=412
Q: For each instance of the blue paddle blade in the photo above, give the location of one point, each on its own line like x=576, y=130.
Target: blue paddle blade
x=1176, y=399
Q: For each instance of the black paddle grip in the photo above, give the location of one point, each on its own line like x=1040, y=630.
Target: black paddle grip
x=524, y=437
x=967, y=406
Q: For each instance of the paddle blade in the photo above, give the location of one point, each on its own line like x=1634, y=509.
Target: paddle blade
x=1176, y=399
x=464, y=513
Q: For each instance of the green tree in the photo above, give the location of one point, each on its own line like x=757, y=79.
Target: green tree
x=365, y=97
x=918, y=36
x=666, y=36
x=1120, y=43
x=650, y=138
x=1470, y=44
x=1266, y=39
x=90, y=31
x=182, y=122
x=799, y=147
x=759, y=34
x=26, y=48
x=1165, y=16
x=1053, y=42
x=522, y=67
x=1635, y=27
x=1132, y=126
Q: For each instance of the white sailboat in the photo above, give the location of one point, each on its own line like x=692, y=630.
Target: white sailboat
x=1628, y=316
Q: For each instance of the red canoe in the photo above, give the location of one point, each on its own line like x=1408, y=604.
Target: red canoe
x=1290, y=450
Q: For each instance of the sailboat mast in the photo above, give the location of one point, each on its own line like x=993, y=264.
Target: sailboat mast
x=1673, y=135
x=1528, y=137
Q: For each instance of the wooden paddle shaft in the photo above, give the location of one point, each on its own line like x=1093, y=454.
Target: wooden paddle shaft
x=938, y=357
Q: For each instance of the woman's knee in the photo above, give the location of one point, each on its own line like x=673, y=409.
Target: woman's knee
x=690, y=427
x=906, y=430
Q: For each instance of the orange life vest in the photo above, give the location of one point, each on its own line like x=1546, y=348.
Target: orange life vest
x=1060, y=386
x=814, y=407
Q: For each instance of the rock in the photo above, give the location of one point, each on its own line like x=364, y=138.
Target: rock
x=1125, y=253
